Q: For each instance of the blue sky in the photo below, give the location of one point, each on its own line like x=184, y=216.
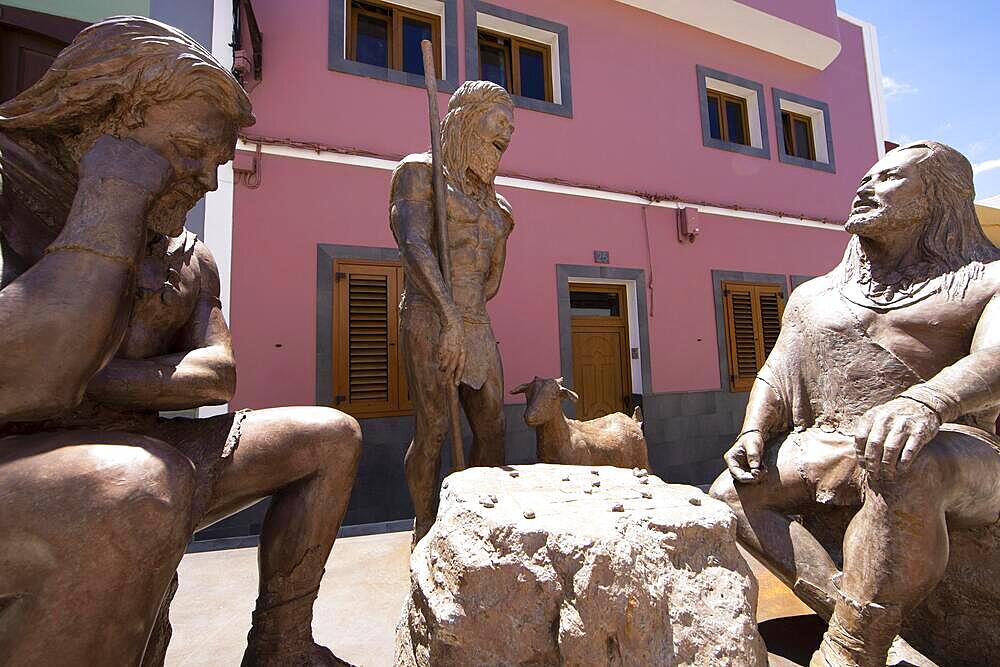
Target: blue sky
x=941, y=74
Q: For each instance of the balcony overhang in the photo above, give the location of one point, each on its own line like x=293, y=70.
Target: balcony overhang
x=746, y=25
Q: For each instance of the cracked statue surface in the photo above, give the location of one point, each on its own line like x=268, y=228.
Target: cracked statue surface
x=109, y=314
x=447, y=338
x=880, y=398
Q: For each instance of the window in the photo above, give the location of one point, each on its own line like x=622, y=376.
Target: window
x=804, y=131
x=732, y=113
x=753, y=319
x=368, y=375
x=527, y=55
x=389, y=36
x=524, y=68
x=727, y=118
x=798, y=135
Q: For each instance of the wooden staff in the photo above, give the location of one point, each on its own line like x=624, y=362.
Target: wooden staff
x=441, y=225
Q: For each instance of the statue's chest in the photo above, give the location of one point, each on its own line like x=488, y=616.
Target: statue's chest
x=165, y=296
x=473, y=230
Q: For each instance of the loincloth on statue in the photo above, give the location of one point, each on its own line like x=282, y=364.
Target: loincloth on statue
x=482, y=358
x=209, y=442
x=826, y=461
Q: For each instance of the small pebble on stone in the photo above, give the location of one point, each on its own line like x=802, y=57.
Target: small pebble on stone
x=588, y=491
x=617, y=507
x=640, y=472
x=528, y=514
x=647, y=494
x=566, y=478
x=514, y=473
x=444, y=484
x=596, y=483
x=644, y=480
x=493, y=498
x=487, y=504
x=595, y=472
x=695, y=501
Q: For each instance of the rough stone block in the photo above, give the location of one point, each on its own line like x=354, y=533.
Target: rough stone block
x=572, y=565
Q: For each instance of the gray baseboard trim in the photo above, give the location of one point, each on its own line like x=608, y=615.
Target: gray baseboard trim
x=357, y=530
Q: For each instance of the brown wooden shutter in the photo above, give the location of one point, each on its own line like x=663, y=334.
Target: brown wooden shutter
x=366, y=363
x=753, y=320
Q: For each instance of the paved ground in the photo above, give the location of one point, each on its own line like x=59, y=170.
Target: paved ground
x=359, y=603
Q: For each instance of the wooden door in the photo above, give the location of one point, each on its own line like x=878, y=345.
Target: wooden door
x=29, y=42
x=601, y=370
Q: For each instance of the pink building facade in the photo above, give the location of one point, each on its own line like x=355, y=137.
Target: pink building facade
x=602, y=175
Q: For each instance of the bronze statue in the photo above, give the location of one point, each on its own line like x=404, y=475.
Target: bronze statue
x=109, y=313
x=880, y=396
x=448, y=338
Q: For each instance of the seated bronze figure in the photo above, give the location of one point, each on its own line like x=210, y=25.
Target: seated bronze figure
x=109, y=314
x=879, y=398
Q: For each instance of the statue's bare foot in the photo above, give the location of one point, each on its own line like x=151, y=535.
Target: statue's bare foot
x=309, y=656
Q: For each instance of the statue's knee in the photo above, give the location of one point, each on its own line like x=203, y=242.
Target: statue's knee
x=725, y=490
x=335, y=436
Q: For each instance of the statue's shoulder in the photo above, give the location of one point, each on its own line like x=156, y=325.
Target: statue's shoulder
x=413, y=177
x=810, y=292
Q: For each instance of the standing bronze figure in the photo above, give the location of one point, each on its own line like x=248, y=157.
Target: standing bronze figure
x=880, y=396
x=447, y=338
x=110, y=313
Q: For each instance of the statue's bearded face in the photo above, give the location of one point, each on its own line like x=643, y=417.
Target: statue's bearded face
x=494, y=131
x=892, y=197
x=195, y=137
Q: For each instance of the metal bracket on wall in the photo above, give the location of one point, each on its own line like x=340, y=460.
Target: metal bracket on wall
x=247, y=169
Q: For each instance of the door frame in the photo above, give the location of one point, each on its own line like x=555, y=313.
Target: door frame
x=621, y=323
x=638, y=329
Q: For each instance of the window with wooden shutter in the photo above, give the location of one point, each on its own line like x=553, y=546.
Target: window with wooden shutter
x=369, y=379
x=753, y=320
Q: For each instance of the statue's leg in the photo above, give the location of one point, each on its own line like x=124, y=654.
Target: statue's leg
x=896, y=547
x=484, y=410
x=765, y=528
x=419, y=332
x=306, y=459
x=92, y=528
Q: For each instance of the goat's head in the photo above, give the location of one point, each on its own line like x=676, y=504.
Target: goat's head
x=544, y=398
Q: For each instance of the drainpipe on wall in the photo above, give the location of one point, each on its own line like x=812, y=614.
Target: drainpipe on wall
x=649, y=260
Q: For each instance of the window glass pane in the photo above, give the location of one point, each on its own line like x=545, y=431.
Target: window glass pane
x=714, y=123
x=373, y=41
x=803, y=146
x=594, y=304
x=734, y=122
x=493, y=65
x=532, y=73
x=414, y=32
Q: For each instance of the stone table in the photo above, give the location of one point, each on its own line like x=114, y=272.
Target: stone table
x=548, y=564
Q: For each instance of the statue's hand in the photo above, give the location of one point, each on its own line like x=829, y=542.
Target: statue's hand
x=744, y=458
x=127, y=160
x=451, y=353
x=889, y=436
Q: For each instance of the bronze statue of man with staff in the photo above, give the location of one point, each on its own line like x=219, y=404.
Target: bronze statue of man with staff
x=445, y=333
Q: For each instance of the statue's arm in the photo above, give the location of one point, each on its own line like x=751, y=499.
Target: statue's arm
x=972, y=383
x=768, y=412
x=411, y=217
x=203, y=374
x=63, y=318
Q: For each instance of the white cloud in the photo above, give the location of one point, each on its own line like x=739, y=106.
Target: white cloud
x=895, y=88
x=988, y=165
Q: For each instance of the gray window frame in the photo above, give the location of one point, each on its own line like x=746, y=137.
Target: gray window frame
x=779, y=126
x=473, y=7
x=707, y=139
x=338, y=61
